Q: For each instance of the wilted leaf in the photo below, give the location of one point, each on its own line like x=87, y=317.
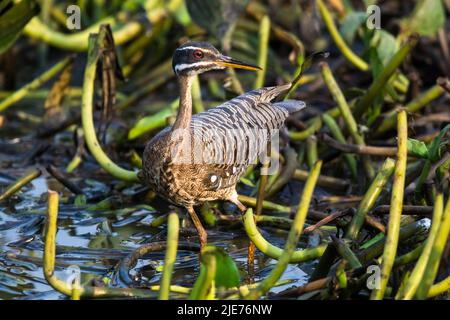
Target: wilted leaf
x=351, y=24
x=13, y=17
x=417, y=148
x=59, y=89
x=428, y=17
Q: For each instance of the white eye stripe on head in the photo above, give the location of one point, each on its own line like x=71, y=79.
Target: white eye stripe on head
x=196, y=48
x=184, y=66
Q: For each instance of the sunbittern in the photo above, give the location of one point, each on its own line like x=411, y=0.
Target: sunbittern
x=201, y=157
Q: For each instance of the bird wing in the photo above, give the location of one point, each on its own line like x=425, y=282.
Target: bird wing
x=233, y=135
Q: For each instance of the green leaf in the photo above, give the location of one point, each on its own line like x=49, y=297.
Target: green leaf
x=14, y=15
x=386, y=46
x=153, y=122
x=216, y=16
x=227, y=273
x=428, y=17
x=435, y=145
x=351, y=24
x=418, y=148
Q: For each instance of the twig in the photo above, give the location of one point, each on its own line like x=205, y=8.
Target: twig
x=358, y=149
x=309, y=287
x=407, y=210
x=62, y=179
x=18, y=184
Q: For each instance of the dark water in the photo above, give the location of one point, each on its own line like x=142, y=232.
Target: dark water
x=96, y=240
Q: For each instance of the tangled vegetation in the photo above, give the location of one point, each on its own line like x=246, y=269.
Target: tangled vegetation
x=358, y=209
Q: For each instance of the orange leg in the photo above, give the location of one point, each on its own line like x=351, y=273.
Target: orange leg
x=203, y=236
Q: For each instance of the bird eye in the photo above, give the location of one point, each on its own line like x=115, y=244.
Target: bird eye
x=198, y=54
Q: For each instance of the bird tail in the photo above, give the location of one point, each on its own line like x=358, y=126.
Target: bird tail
x=290, y=106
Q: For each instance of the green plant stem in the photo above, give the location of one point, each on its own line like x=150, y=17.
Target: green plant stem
x=273, y=251
x=171, y=255
x=346, y=253
x=376, y=87
x=311, y=151
x=206, y=276
x=315, y=126
x=346, y=113
x=287, y=171
x=418, y=191
x=19, y=183
x=250, y=201
x=263, y=44
x=395, y=212
x=415, y=105
x=155, y=121
x=87, y=114
x=409, y=257
x=293, y=236
x=411, y=285
x=324, y=181
x=370, y=198
x=36, y=83
x=78, y=42
x=84, y=291
x=338, y=40
x=439, y=288
x=374, y=247
x=339, y=136
x=434, y=259
x=208, y=215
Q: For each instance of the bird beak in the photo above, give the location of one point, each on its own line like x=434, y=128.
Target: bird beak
x=226, y=61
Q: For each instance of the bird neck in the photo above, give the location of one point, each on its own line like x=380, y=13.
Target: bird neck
x=185, y=109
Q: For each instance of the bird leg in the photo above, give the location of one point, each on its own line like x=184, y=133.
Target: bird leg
x=235, y=200
x=203, y=236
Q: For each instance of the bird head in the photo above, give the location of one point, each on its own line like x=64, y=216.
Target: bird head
x=197, y=57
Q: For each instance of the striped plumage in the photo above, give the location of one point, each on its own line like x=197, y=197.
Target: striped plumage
x=201, y=157
x=225, y=156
